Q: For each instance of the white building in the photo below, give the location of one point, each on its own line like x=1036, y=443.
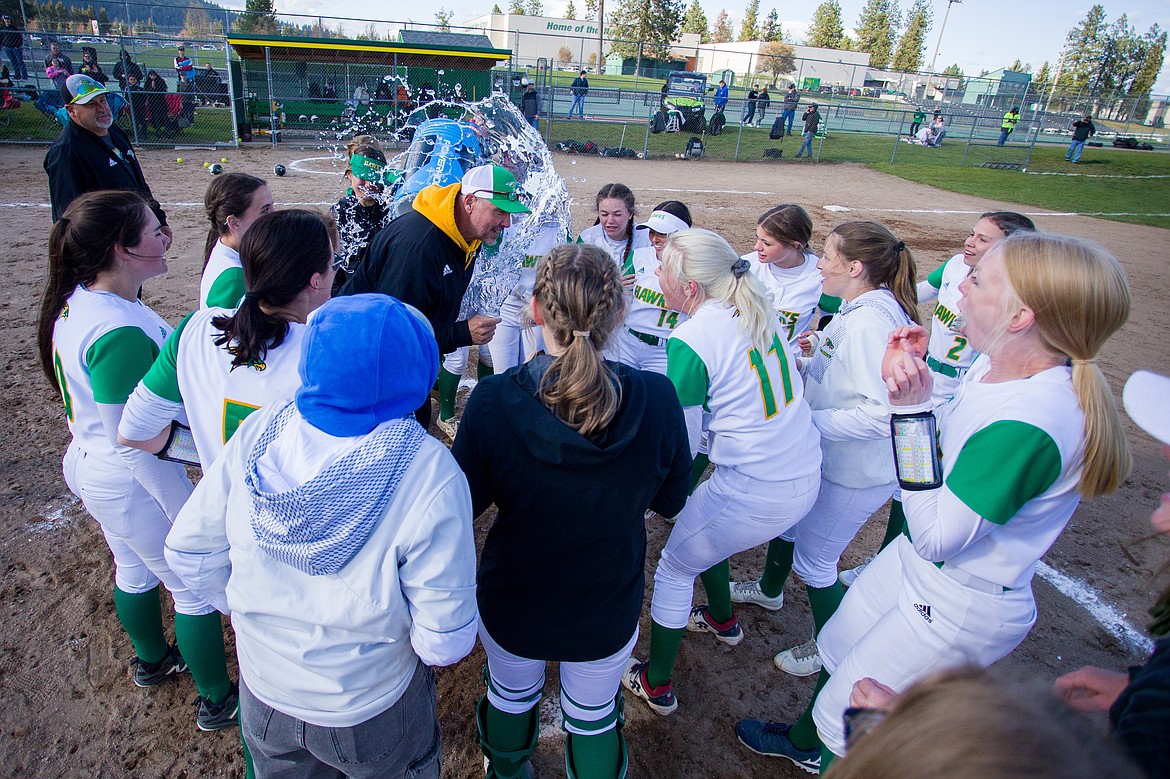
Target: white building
x=814, y=66
x=532, y=38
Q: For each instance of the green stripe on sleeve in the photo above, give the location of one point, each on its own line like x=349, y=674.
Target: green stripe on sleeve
x=163, y=377
x=227, y=290
x=687, y=371
x=935, y=277
x=1002, y=467
x=829, y=304
x=117, y=361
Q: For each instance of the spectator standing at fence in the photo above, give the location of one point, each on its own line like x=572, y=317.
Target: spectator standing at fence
x=156, y=101
x=126, y=67
x=137, y=99
x=721, y=96
x=1010, y=119
x=56, y=53
x=750, y=109
x=184, y=67
x=791, y=103
x=765, y=100
x=1082, y=129
x=812, y=123
x=90, y=66
x=530, y=106
x=916, y=121
x=12, y=41
x=92, y=153
x=579, y=88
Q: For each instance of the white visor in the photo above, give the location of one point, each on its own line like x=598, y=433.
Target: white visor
x=664, y=223
x=1147, y=401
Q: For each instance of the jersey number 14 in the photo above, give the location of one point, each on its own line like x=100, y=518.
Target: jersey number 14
x=760, y=364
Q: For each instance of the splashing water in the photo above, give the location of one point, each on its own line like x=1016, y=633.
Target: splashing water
x=493, y=130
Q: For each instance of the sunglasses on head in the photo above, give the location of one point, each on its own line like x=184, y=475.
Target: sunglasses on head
x=509, y=195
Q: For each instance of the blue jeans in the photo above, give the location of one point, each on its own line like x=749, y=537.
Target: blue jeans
x=1074, y=150
x=807, y=145
x=15, y=55
x=401, y=741
x=535, y=122
x=1003, y=136
x=750, y=115
x=578, y=106
x=788, y=117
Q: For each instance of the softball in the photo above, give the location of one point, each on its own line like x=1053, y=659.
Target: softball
x=207, y=164
x=178, y=159
x=223, y=159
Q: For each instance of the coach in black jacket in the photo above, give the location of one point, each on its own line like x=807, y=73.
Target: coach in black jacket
x=427, y=256
x=92, y=153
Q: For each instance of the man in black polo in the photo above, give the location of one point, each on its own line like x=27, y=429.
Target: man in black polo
x=92, y=153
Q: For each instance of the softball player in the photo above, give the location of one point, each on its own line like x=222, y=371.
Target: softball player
x=641, y=341
x=730, y=359
x=232, y=203
x=873, y=274
x=570, y=591
x=957, y=588
x=96, y=339
x=614, y=229
x=787, y=269
x=219, y=366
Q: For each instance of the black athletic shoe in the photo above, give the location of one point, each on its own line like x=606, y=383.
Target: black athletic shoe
x=150, y=674
x=217, y=716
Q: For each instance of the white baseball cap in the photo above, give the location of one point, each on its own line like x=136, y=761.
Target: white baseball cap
x=664, y=223
x=1147, y=401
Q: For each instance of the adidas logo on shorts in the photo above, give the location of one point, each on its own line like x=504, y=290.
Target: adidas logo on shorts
x=924, y=611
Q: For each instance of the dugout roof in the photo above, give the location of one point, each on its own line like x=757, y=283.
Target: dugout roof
x=344, y=50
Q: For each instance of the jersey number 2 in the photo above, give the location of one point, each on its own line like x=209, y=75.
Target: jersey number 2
x=760, y=367
x=953, y=354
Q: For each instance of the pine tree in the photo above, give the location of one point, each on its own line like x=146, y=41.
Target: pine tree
x=1152, y=55
x=721, y=33
x=908, y=57
x=772, y=30
x=259, y=17
x=749, y=30
x=1042, y=77
x=1084, y=49
x=696, y=21
x=443, y=20
x=534, y=8
x=496, y=9
x=653, y=23
x=591, y=9
x=516, y=8
x=571, y=11
x=956, y=71
x=875, y=31
x=826, y=30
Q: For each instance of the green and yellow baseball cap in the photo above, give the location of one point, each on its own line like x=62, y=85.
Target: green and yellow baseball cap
x=79, y=90
x=497, y=185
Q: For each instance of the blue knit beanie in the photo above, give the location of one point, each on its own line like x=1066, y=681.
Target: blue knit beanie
x=366, y=359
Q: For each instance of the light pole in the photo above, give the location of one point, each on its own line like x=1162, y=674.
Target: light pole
x=934, y=59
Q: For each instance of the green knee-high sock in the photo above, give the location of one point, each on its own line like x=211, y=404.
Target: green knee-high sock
x=448, y=385
x=200, y=640
x=594, y=757
x=482, y=369
x=824, y=602
x=141, y=617
x=663, y=652
x=827, y=758
x=896, y=524
x=803, y=733
x=698, y=468
x=507, y=739
x=717, y=583
x=777, y=567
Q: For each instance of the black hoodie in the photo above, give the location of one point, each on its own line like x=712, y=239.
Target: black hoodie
x=561, y=574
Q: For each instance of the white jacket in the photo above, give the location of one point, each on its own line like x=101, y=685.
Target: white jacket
x=335, y=650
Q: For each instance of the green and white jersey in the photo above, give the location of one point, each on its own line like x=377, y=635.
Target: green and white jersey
x=596, y=236
x=795, y=292
x=193, y=371
x=1011, y=456
x=222, y=283
x=948, y=348
x=647, y=311
x=760, y=424
x=102, y=346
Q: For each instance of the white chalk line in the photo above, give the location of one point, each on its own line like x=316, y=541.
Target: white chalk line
x=296, y=165
x=1107, y=616
x=1097, y=175
x=842, y=209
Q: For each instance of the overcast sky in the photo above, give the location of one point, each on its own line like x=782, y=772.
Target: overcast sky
x=979, y=35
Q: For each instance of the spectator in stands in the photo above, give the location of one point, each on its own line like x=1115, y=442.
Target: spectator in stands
x=63, y=59
x=1082, y=129
x=137, y=100
x=90, y=66
x=12, y=41
x=126, y=67
x=156, y=101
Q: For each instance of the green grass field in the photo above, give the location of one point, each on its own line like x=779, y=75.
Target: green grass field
x=27, y=124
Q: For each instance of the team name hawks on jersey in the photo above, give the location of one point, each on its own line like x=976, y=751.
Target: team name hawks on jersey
x=944, y=315
x=788, y=320
x=530, y=261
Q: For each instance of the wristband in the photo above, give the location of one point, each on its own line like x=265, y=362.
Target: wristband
x=180, y=446
x=916, y=460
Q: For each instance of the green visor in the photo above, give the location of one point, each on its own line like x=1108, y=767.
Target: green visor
x=375, y=171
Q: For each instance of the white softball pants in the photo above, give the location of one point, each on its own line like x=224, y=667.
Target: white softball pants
x=588, y=690
x=516, y=339
x=904, y=619
x=829, y=527
x=631, y=351
x=728, y=513
x=134, y=525
x=456, y=361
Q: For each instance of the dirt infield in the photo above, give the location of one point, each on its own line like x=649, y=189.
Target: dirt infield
x=70, y=708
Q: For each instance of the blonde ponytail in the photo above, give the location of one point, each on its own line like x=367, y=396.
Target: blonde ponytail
x=1080, y=296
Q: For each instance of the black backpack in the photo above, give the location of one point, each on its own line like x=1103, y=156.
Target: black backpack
x=694, y=147
x=717, y=123
x=777, y=128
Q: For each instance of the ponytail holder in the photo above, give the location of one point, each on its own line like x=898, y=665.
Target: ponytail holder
x=253, y=296
x=1090, y=361
x=581, y=333
x=741, y=267
x=899, y=247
